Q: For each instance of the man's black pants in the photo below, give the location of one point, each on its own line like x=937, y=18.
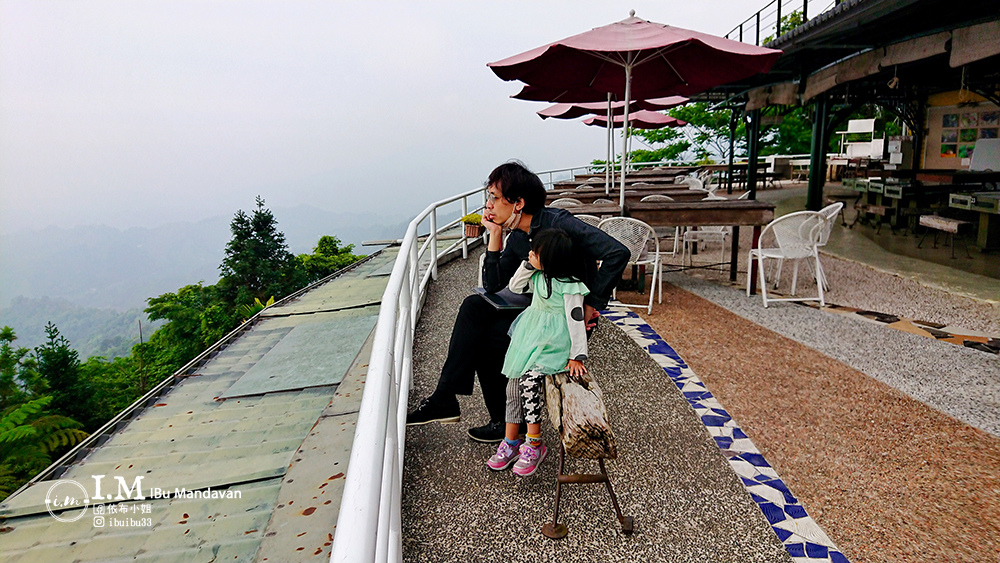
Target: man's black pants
x=478, y=344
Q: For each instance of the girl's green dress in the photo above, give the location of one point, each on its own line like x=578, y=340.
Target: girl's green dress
x=539, y=336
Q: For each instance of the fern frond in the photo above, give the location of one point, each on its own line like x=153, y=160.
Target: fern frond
x=66, y=437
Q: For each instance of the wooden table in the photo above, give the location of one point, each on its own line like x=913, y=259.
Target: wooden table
x=598, y=209
x=733, y=212
x=588, y=195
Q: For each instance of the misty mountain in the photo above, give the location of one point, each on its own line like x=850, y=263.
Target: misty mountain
x=77, y=272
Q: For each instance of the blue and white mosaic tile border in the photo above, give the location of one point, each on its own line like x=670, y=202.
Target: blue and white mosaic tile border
x=800, y=534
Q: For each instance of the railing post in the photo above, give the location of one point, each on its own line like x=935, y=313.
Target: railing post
x=758, y=30
x=741, y=33
x=433, y=245
x=465, y=239
x=777, y=25
x=805, y=11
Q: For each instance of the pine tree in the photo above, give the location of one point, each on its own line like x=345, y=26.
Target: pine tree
x=257, y=263
x=59, y=366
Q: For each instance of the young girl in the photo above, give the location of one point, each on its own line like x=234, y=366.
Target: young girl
x=548, y=337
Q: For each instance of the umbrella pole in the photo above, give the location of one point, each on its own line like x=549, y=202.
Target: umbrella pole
x=608, y=178
x=628, y=96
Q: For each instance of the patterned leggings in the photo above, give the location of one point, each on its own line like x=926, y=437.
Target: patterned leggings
x=525, y=398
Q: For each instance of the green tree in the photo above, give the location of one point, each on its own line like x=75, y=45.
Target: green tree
x=792, y=136
x=28, y=438
x=196, y=318
x=788, y=23
x=707, y=131
x=59, y=365
x=18, y=378
x=672, y=140
x=257, y=259
x=328, y=256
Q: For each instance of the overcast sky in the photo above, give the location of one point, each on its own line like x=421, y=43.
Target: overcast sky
x=140, y=113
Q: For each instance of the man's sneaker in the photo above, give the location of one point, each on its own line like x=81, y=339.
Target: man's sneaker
x=492, y=432
x=504, y=458
x=530, y=459
x=431, y=411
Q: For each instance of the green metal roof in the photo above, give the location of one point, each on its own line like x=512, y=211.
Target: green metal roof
x=271, y=417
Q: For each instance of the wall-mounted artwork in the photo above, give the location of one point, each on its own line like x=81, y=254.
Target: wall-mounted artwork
x=965, y=151
x=967, y=135
x=949, y=136
x=988, y=133
x=989, y=119
x=949, y=151
x=949, y=120
x=970, y=119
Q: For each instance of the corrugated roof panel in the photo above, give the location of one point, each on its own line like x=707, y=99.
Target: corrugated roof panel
x=190, y=438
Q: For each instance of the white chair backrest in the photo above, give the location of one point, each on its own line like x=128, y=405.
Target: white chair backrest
x=591, y=220
x=829, y=213
x=565, y=202
x=656, y=197
x=641, y=185
x=567, y=193
x=603, y=200
x=713, y=197
x=746, y=195
x=694, y=184
x=796, y=234
x=633, y=233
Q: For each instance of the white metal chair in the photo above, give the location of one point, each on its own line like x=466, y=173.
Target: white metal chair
x=830, y=213
x=702, y=235
x=636, y=235
x=591, y=220
x=603, y=200
x=565, y=202
x=796, y=237
x=656, y=197
x=677, y=230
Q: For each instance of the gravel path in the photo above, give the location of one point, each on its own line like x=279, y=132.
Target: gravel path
x=886, y=476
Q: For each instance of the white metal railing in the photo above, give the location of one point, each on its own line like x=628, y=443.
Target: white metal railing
x=369, y=525
x=369, y=528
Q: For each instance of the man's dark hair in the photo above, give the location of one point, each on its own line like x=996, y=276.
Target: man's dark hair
x=558, y=256
x=515, y=181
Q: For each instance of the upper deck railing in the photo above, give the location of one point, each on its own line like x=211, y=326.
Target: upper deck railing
x=777, y=18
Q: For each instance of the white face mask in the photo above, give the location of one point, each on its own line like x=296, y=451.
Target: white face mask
x=512, y=221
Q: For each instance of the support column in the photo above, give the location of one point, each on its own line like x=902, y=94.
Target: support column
x=732, y=147
x=817, y=155
x=753, y=149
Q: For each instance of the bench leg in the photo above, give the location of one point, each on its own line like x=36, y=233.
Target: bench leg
x=554, y=529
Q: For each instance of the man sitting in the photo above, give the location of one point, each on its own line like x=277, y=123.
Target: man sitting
x=515, y=201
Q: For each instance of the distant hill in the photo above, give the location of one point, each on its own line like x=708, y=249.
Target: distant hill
x=91, y=332
x=89, y=276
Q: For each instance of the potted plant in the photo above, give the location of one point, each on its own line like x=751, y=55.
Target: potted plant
x=473, y=225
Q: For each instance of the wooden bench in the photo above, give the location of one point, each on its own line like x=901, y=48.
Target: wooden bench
x=947, y=225
x=577, y=411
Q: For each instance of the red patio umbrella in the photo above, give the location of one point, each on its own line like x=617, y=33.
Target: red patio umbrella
x=572, y=111
x=634, y=58
x=642, y=119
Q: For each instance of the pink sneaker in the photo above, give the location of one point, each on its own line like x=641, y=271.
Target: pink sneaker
x=505, y=456
x=530, y=459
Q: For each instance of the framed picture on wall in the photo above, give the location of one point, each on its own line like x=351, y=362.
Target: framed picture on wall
x=967, y=135
x=990, y=133
x=989, y=119
x=949, y=151
x=970, y=119
x=949, y=136
x=965, y=151
x=949, y=120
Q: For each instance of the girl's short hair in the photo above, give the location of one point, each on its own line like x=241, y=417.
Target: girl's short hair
x=515, y=181
x=558, y=256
